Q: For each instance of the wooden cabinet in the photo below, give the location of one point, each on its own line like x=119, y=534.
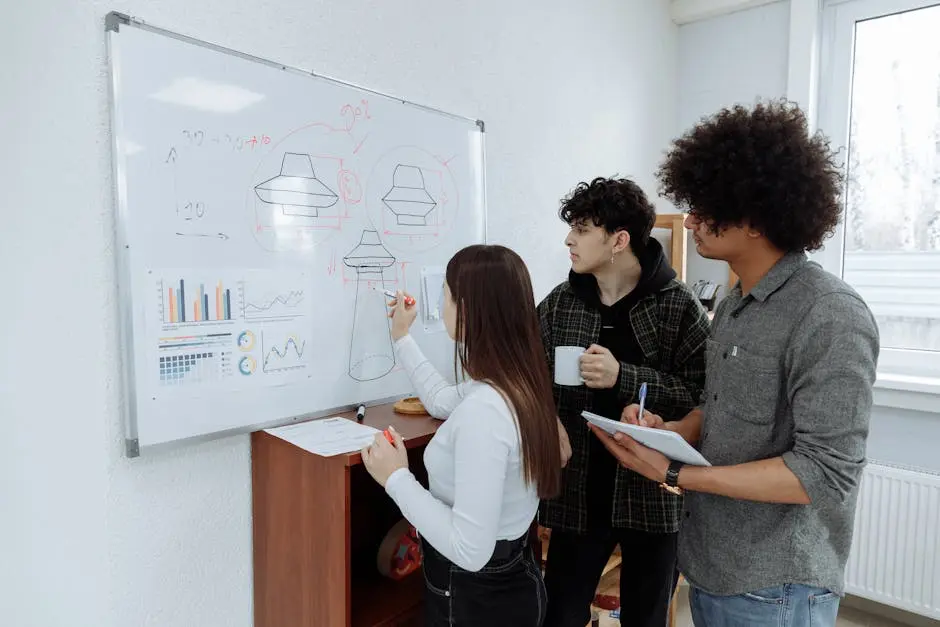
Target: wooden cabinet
x=317, y=525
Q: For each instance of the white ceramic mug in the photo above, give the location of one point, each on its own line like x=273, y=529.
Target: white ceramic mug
x=568, y=365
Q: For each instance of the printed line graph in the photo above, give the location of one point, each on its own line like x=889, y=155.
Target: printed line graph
x=270, y=296
x=285, y=305
x=282, y=356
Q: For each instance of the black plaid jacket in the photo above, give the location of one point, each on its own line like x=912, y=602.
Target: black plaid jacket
x=671, y=329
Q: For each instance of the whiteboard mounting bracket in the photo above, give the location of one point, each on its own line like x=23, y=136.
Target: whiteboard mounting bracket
x=113, y=21
x=132, y=448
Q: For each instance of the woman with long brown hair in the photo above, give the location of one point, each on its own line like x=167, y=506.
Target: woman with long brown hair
x=495, y=456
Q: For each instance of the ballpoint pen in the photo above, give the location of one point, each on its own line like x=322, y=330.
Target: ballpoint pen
x=642, y=403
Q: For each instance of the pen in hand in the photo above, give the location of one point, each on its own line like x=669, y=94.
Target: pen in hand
x=640, y=420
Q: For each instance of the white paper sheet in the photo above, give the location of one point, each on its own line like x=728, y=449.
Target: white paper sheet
x=669, y=443
x=327, y=436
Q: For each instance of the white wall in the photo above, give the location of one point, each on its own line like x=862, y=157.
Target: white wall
x=568, y=91
x=730, y=59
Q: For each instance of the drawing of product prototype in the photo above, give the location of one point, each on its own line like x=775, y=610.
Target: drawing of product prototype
x=371, y=355
x=408, y=198
x=297, y=189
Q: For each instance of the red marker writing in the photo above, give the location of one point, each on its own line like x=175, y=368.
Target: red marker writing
x=409, y=301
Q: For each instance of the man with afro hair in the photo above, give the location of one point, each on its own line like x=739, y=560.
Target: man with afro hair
x=766, y=530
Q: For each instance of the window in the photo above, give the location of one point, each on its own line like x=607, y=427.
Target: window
x=879, y=101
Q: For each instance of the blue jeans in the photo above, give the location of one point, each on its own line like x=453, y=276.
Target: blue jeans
x=790, y=605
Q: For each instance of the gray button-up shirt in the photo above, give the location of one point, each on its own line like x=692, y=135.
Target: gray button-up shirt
x=789, y=373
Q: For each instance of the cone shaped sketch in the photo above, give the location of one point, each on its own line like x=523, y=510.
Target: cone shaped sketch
x=371, y=355
x=408, y=198
x=297, y=188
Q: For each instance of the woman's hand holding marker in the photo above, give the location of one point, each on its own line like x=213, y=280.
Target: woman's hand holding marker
x=409, y=301
x=403, y=312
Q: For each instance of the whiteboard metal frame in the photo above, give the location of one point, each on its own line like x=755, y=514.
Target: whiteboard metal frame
x=113, y=23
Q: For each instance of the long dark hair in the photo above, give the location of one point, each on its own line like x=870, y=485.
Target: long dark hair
x=498, y=341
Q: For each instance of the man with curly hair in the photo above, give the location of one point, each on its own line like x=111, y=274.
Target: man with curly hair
x=766, y=529
x=622, y=303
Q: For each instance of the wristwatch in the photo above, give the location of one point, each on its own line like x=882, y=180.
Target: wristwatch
x=672, y=477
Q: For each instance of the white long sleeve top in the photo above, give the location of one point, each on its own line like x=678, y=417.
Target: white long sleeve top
x=439, y=397
x=477, y=491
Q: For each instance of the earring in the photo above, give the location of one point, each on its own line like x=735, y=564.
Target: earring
x=611, y=258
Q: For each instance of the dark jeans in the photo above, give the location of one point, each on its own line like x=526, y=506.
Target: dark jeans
x=507, y=592
x=647, y=576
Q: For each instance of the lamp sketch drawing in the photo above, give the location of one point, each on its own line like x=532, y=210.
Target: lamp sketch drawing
x=371, y=355
x=297, y=189
x=408, y=198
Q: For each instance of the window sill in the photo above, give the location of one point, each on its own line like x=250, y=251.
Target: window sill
x=907, y=392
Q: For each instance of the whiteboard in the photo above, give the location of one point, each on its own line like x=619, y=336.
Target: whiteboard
x=261, y=212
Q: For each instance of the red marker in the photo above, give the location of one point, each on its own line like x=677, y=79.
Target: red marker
x=409, y=301
x=388, y=436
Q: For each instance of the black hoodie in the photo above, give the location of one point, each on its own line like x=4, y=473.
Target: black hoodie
x=617, y=335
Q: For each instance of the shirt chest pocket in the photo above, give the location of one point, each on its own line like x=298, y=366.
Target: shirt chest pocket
x=750, y=384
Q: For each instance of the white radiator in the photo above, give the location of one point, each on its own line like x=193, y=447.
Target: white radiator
x=895, y=557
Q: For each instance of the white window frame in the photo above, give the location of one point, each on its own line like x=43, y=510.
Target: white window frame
x=906, y=378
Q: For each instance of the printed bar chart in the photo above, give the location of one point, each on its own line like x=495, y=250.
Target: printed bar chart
x=198, y=307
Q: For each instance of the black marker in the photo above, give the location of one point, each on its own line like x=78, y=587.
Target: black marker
x=360, y=413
